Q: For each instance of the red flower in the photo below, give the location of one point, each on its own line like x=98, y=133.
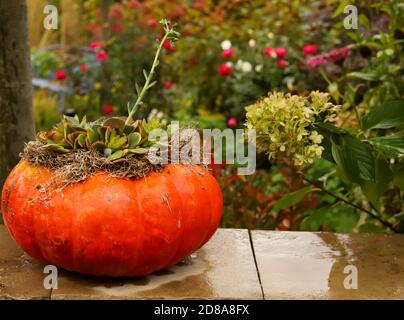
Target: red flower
x=95, y=45
x=152, y=22
x=83, y=68
x=269, y=51
x=309, y=49
x=102, y=55
x=117, y=28
x=232, y=122
x=167, y=46
x=282, y=64
x=225, y=70
x=227, y=53
x=107, y=109
x=93, y=28
x=168, y=85
x=280, y=52
x=60, y=75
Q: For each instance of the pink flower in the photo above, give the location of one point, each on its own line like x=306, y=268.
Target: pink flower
x=334, y=55
x=60, y=75
x=107, y=109
x=95, y=45
x=337, y=54
x=83, y=68
x=168, y=85
x=232, y=122
x=102, y=55
x=224, y=69
x=316, y=61
x=282, y=64
x=133, y=4
x=227, y=53
x=152, y=22
x=269, y=51
x=280, y=52
x=309, y=49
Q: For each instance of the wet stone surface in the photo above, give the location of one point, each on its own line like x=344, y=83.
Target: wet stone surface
x=291, y=265
x=305, y=265
x=20, y=276
x=207, y=274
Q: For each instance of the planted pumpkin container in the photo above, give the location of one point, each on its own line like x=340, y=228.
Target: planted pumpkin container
x=86, y=197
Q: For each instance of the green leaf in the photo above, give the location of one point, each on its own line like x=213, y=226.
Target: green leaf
x=389, y=146
x=116, y=142
x=73, y=120
x=341, y=7
x=291, y=199
x=57, y=148
x=139, y=150
x=328, y=127
x=98, y=146
x=398, y=171
x=83, y=123
x=81, y=140
x=115, y=122
x=354, y=158
x=385, y=116
x=92, y=135
x=368, y=76
x=339, y=218
x=134, y=139
x=363, y=20
x=383, y=176
x=117, y=154
x=327, y=152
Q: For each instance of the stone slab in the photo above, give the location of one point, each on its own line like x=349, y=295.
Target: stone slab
x=306, y=265
x=20, y=276
x=223, y=269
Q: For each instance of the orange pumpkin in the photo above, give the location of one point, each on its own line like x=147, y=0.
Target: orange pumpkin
x=112, y=226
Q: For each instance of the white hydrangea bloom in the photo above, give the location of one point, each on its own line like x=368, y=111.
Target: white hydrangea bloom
x=226, y=44
x=258, y=67
x=246, y=66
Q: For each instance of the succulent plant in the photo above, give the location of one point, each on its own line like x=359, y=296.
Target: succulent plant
x=116, y=138
x=110, y=137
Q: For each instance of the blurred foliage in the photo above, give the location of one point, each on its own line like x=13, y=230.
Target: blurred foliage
x=45, y=110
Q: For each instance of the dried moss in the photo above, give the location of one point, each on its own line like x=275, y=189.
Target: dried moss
x=77, y=166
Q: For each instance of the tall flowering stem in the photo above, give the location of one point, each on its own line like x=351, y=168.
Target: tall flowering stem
x=169, y=35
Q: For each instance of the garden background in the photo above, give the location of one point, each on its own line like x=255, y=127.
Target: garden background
x=231, y=53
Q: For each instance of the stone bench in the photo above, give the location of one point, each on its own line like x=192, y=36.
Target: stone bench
x=235, y=264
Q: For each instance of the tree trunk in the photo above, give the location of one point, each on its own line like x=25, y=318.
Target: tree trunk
x=16, y=114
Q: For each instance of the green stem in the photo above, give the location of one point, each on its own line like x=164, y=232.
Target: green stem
x=147, y=83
